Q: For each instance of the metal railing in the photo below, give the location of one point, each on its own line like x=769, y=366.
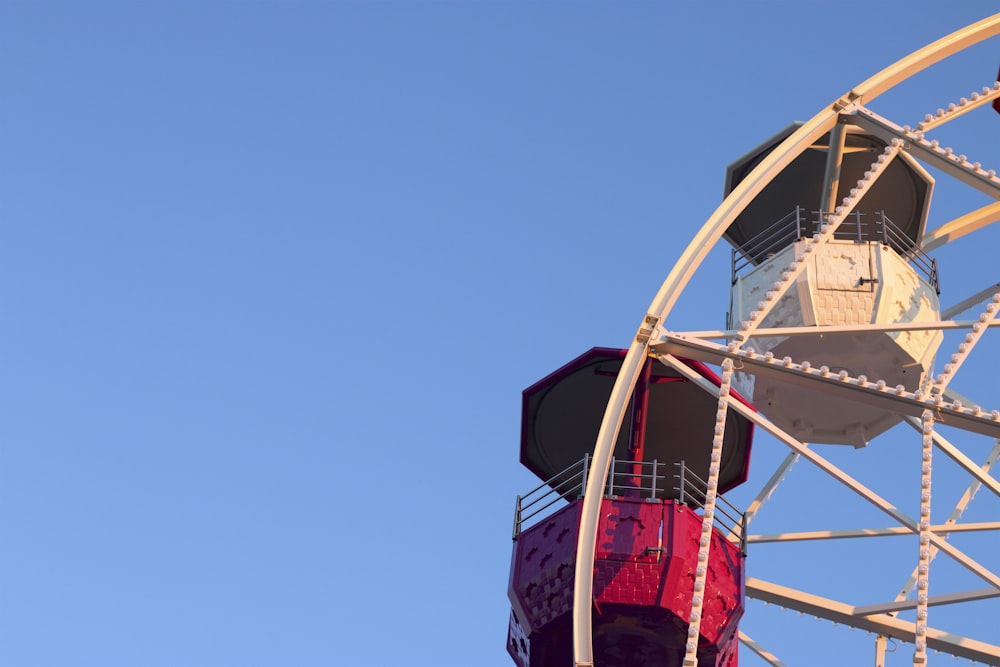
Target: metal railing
x=643, y=479
x=563, y=486
x=692, y=490
x=908, y=250
x=770, y=241
x=798, y=224
x=639, y=479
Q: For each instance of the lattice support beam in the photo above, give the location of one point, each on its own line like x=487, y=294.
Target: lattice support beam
x=708, y=514
x=839, y=475
x=924, y=559
x=882, y=624
x=957, y=166
x=892, y=399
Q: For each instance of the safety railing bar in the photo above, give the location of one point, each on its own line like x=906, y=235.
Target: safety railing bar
x=722, y=519
x=723, y=512
x=923, y=260
x=625, y=482
x=555, y=477
x=534, y=501
x=695, y=497
x=625, y=463
x=527, y=511
x=908, y=249
x=850, y=228
x=778, y=225
x=787, y=228
x=879, y=229
x=732, y=515
x=575, y=478
x=693, y=476
x=681, y=495
x=729, y=505
x=517, y=518
x=901, y=243
x=695, y=483
x=730, y=528
x=857, y=224
x=531, y=515
x=768, y=238
x=644, y=477
x=638, y=475
x=763, y=244
x=726, y=504
x=730, y=525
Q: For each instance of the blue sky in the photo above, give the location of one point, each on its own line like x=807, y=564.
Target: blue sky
x=273, y=276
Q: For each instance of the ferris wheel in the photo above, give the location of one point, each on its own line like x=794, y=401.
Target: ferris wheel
x=841, y=345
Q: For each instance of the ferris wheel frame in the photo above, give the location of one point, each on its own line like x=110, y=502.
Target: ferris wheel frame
x=654, y=339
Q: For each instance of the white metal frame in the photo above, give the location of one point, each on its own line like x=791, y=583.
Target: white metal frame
x=654, y=339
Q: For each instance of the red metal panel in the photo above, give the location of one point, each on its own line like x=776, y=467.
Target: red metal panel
x=544, y=558
x=724, y=592
x=996, y=102
x=642, y=588
x=729, y=655
x=681, y=529
x=629, y=530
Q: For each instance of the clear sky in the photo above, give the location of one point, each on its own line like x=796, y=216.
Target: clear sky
x=274, y=274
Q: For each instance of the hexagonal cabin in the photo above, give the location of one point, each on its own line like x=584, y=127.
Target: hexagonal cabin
x=650, y=522
x=872, y=272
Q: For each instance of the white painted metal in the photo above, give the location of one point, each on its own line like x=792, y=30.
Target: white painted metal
x=941, y=325
x=944, y=158
x=965, y=348
x=935, y=541
x=839, y=475
x=666, y=297
x=951, y=598
x=980, y=473
x=975, y=100
x=942, y=529
x=768, y=657
x=841, y=385
x=770, y=486
x=804, y=252
x=882, y=624
x=924, y=555
x=973, y=300
x=834, y=161
x=959, y=227
x=849, y=286
x=980, y=477
x=708, y=515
